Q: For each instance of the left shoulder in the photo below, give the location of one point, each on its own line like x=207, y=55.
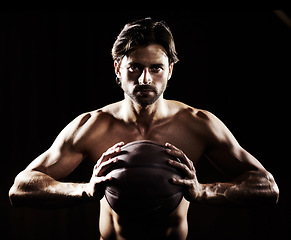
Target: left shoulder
x=211, y=126
x=190, y=113
x=184, y=110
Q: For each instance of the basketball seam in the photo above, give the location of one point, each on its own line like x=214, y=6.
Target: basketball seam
x=116, y=194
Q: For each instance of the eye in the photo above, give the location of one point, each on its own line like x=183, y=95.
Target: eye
x=156, y=69
x=134, y=69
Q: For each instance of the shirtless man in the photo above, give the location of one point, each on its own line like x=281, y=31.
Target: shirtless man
x=144, y=56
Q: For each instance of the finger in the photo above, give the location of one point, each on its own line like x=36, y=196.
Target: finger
x=104, y=166
x=111, y=152
x=184, y=168
x=117, y=145
x=174, y=151
x=109, y=163
x=182, y=182
x=178, y=153
x=171, y=147
x=102, y=179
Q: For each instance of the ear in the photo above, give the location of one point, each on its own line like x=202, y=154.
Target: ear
x=117, y=68
x=170, y=70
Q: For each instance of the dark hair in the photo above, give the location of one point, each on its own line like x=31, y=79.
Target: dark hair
x=143, y=33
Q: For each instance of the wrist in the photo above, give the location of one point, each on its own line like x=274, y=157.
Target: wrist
x=196, y=192
x=199, y=193
x=93, y=191
x=213, y=193
x=87, y=192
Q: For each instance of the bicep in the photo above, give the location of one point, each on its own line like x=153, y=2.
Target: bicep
x=225, y=152
x=56, y=163
x=233, y=161
x=62, y=157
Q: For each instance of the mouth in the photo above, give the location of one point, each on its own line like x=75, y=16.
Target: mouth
x=145, y=89
x=144, y=94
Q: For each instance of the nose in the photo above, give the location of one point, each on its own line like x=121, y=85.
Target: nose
x=145, y=78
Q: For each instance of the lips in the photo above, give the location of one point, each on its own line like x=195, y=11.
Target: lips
x=144, y=89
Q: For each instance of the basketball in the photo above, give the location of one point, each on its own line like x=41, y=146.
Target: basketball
x=141, y=181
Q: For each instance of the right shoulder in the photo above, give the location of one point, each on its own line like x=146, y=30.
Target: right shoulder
x=85, y=126
x=96, y=117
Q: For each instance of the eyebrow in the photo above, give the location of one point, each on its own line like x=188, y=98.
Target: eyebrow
x=141, y=65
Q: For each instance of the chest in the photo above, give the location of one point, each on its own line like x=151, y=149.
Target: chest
x=188, y=140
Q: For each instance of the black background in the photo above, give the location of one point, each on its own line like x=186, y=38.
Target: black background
x=57, y=65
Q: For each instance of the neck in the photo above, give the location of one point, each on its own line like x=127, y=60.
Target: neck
x=144, y=115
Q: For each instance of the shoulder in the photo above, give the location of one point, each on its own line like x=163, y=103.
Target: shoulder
x=189, y=113
x=98, y=116
x=86, y=124
x=112, y=110
x=202, y=121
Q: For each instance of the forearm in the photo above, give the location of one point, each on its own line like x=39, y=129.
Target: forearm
x=36, y=189
x=249, y=189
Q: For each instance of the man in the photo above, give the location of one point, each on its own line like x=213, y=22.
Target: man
x=144, y=56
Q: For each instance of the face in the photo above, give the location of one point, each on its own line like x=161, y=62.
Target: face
x=144, y=74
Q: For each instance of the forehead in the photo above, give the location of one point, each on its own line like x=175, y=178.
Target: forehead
x=151, y=54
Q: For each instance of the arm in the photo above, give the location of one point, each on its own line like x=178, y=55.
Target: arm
x=251, y=183
x=38, y=185
x=33, y=188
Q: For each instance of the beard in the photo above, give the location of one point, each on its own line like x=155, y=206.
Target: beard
x=144, y=95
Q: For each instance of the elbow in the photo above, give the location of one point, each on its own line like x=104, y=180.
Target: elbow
x=261, y=188
x=14, y=196
x=272, y=190
x=18, y=197
x=18, y=191
x=274, y=193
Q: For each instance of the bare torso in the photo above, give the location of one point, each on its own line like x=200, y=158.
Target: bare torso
x=98, y=135
x=188, y=133
x=106, y=127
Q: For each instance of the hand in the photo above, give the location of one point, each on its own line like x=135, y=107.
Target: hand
x=193, y=188
x=96, y=184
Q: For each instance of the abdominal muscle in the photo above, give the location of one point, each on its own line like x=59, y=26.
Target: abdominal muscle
x=114, y=227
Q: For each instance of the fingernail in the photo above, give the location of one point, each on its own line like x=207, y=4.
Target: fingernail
x=174, y=180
